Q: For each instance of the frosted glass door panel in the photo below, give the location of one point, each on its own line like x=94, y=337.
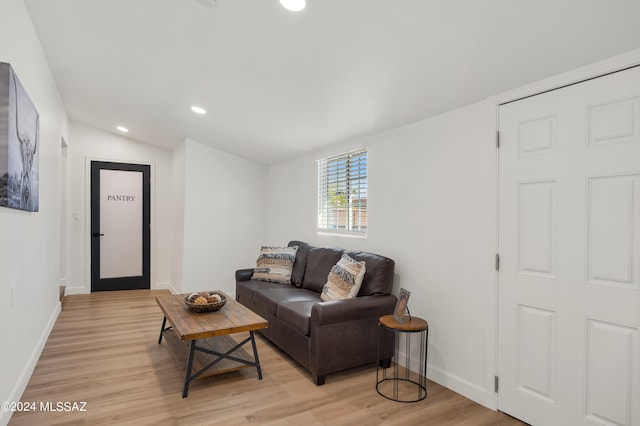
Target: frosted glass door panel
x=120, y=223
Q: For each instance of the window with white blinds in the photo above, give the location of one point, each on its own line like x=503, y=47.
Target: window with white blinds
x=342, y=193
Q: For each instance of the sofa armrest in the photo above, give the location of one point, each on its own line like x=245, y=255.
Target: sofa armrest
x=325, y=313
x=244, y=274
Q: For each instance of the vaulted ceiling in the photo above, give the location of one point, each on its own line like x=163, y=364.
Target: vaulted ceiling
x=278, y=84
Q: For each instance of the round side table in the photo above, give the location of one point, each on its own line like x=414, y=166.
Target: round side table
x=400, y=383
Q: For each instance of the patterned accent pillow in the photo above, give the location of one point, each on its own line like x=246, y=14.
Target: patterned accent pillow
x=344, y=280
x=275, y=264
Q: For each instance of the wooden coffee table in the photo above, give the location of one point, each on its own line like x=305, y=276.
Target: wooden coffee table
x=211, y=330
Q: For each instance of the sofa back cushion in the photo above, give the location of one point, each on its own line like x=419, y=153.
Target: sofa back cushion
x=297, y=274
x=320, y=260
x=379, y=276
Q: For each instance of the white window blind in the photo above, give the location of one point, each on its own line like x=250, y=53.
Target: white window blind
x=342, y=193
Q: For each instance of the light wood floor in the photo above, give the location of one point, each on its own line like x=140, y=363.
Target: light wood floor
x=103, y=351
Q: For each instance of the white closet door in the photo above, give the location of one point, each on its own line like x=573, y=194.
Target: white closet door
x=569, y=320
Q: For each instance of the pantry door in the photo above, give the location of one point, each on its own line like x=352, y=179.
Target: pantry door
x=120, y=226
x=569, y=238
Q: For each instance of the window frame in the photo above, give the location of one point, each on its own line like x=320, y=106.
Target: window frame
x=349, y=172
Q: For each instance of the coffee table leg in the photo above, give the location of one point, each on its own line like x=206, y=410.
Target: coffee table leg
x=255, y=355
x=164, y=322
x=187, y=374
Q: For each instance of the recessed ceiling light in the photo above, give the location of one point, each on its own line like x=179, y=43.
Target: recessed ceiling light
x=123, y=129
x=293, y=5
x=198, y=110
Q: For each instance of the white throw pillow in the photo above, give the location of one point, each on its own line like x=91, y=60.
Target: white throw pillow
x=344, y=280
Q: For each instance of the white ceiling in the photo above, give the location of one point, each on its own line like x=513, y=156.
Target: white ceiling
x=278, y=84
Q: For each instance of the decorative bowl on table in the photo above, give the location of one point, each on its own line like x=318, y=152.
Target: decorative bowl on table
x=205, y=301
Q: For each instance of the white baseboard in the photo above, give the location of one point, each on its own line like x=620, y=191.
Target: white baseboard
x=450, y=381
x=165, y=285
x=156, y=286
x=459, y=385
x=76, y=290
x=25, y=375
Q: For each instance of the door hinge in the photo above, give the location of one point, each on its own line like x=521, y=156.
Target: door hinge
x=497, y=138
x=495, y=384
x=497, y=262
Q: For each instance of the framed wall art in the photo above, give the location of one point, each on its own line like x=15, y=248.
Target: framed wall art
x=19, y=144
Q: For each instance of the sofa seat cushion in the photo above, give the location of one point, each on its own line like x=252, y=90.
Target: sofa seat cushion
x=245, y=290
x=297, y=314
x=270, y=298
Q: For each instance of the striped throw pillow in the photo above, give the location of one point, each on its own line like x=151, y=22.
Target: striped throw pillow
x=344, y=280
x=275, y=264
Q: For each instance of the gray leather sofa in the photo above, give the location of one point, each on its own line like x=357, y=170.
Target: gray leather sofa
x=324, y=337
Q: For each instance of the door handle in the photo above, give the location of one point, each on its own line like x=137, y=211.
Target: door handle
x=97, y=234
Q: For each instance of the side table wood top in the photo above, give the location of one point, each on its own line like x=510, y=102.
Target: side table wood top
x=409, y=323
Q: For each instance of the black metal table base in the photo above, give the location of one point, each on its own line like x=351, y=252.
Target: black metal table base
x=163, y=329
x=415, y=380
x=193, y=348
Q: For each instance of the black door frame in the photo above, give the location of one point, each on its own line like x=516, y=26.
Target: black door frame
x=120, y=283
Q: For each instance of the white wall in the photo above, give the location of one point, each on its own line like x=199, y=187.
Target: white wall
x=431, y=204
x=205, y=210
x=225, y=217
x=30, y=242
x=178, y=165
x=88, y=143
